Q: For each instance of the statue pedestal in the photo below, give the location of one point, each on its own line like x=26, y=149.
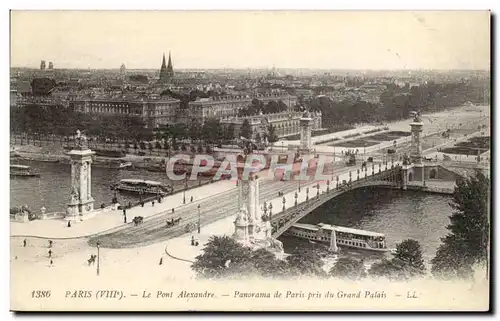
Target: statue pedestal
x=22, y=217
x=240, y=234
x=79, y=211
x=81, y=205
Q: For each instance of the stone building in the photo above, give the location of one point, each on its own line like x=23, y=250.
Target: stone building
x=229, y=106
x=284, y=123
x=154, y=110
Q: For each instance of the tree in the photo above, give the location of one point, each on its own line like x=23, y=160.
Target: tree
x=407, y=262
x=221, y=257
x=272, y=137
x=394, y=269
x=246, y=129
x=305, y=262
x=349, y=268
x=229, y=132
x=410, y=252
x=194, y=130
x=258, y=139
x=266, y=264
x=468, y=240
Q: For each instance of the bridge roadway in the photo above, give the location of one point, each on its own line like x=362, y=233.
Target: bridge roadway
x=154, y=228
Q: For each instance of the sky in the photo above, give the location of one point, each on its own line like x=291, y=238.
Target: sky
x=252, y=39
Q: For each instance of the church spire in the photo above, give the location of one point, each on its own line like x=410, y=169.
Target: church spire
x=163, y=63
x=166, y=72
x=169, y=66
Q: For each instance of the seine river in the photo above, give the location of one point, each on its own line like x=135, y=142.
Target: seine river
x=398, y=214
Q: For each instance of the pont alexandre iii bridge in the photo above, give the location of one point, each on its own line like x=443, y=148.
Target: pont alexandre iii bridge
x=385, y=176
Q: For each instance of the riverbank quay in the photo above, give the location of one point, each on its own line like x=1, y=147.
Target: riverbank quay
x=114, y=219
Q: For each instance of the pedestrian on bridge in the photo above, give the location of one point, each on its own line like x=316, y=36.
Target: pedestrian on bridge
x=25, y=243
x=125, y=219
x=191, y=199
x=51, y=263
x=50, y=243
x=153, y=203
x=50, y=253
x=69, y=223
x=161, y=260
x=124, y=212
x=173, y=210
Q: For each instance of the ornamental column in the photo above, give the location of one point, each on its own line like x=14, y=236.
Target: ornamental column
x=81, y=200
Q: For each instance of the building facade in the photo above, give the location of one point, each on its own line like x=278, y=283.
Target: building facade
x=284, y=123
x=229, y=106
x=155, y=111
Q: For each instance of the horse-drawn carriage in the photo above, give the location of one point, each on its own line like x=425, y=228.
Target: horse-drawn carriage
x=138, y=220
x=173, y=222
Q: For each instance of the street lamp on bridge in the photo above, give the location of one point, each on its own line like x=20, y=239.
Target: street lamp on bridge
x=98, y=257
x=184, y=192
x=264, y=208
x=199, y=218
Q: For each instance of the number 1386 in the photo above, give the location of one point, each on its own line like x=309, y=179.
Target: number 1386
x=39, y=294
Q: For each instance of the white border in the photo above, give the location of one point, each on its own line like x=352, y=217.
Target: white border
x=187, y=5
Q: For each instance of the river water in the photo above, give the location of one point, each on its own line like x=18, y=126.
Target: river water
x=398, y=214
x=52, y=188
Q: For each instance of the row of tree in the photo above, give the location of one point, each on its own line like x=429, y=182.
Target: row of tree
x=257, y=107
x=225, y=258
x=465, y=246
x=39, y=121
x=396, y=103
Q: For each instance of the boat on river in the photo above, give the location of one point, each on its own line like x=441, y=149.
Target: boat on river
x=112, y=164
x=345, y=236
x=23, y=170
x=140, y=186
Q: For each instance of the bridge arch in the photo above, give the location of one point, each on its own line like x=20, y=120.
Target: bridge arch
x=282, y=221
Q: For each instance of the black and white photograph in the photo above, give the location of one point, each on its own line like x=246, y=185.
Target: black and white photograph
x=250, y=160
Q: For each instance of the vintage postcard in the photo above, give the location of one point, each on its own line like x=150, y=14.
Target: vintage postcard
x=250, y=160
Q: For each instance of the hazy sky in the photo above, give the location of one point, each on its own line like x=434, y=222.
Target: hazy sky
x=218, y=39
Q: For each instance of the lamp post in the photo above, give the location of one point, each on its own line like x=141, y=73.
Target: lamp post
x=199, y=218
x=98, y=257
x=264, y=208
x=296, y=196
x=282, y=146
x=284, y=202
x=184, y=193
x=317, y=187
x=307, y=194
x=270, y=211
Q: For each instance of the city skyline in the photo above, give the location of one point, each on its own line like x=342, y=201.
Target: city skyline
x=252, y=40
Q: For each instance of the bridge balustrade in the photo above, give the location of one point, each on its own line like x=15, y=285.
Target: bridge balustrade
x=283, y=221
